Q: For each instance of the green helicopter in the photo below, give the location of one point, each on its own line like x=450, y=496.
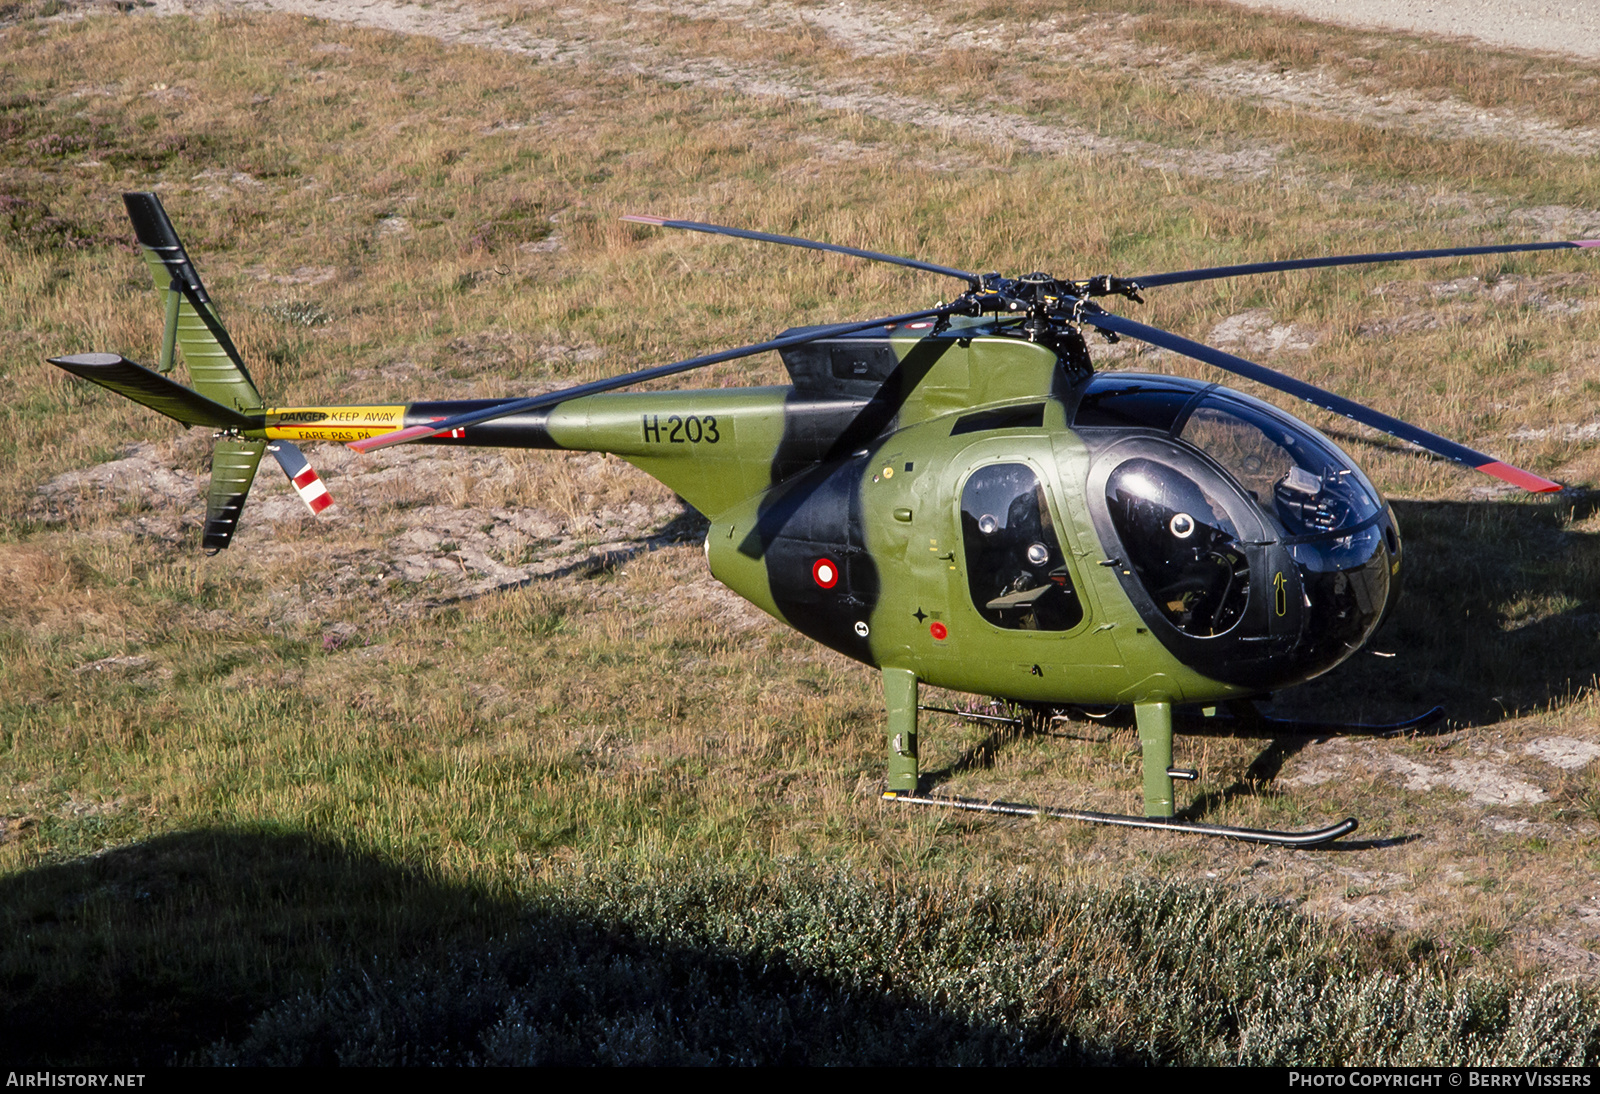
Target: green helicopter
x=952, y=496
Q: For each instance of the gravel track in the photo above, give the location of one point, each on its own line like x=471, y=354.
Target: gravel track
x=603, y=35
x=1570, y=28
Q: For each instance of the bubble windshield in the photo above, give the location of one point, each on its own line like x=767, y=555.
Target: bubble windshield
x=1248, y=541
x=1329, y=514
x=1301, y=481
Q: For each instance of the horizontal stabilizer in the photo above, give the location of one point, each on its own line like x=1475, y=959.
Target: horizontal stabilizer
x=154, y=390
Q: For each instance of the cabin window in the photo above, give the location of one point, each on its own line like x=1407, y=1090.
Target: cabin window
x=1182, y=545
x=1124, y=402
x=1016, y=572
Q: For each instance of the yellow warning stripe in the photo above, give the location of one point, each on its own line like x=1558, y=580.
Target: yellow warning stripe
x=332, y=423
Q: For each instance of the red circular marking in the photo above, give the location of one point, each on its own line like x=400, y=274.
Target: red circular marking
x=825, y=573
x=938, y=631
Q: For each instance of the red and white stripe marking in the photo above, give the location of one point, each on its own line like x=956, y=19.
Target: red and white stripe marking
x=307, y=483
x=311, y=490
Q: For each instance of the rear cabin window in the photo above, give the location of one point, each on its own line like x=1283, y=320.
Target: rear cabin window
x=1016, y=572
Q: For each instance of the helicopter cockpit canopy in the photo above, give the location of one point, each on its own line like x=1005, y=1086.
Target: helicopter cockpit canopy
x=1183, y=545
x=1305, y=484
x=1289, y=546
x=1289, y=469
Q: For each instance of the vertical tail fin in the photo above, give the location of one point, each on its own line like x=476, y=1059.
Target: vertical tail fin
x=233, y=469
x=216, y=370
x=215, y=367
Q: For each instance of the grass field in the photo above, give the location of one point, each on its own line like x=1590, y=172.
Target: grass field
x=483, y=766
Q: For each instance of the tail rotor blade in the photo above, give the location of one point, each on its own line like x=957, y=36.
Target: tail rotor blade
x=1432, y=442
x=302, y=476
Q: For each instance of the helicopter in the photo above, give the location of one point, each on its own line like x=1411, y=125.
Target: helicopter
x=953, y=496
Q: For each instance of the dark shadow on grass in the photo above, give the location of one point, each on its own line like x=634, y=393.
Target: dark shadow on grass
x=295, y=949
x=978, y=757
x=1257, y=781
x=1499, y=614
x=1370, y=844
x=1254, y=783
x=143, y=954
x=1259, y=777
x=689, y=526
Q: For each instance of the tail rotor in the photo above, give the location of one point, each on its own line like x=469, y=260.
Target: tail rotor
x=221, y=396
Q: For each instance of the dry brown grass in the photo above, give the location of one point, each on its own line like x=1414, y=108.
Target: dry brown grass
x=1169, y=31
x=365, y=679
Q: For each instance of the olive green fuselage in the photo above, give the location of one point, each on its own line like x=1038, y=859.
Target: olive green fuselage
x=836, y=505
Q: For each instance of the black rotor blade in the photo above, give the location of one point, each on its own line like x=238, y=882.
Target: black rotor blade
x=1211, y=273
x=795, y=241
x=550, y=398
x=1327, y=400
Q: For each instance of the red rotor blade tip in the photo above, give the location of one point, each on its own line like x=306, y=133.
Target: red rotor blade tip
x=399, y=436
x=638, y=219
x=1516, y=476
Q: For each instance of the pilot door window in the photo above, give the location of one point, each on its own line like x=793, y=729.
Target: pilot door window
x=1182, y=545
x=1015, y=569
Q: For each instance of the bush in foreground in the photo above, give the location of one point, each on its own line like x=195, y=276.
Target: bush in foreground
x=809, y=967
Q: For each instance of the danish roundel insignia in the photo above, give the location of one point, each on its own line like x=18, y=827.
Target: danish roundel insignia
x=825, y=572
x=939, y=631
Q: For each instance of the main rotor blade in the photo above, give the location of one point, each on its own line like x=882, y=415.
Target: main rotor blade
x=795, y=241
x=1211, y=273
x=1325, y=399
x=550, y=398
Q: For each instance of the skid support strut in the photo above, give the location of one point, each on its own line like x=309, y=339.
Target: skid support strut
x=1155, y=741
x=900, y=694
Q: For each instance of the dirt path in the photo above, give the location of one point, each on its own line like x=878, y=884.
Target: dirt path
x=1569, y=27
x=615, y=36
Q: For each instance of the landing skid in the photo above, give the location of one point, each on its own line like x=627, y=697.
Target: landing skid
x=1314, y=838
x=1252, y=723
